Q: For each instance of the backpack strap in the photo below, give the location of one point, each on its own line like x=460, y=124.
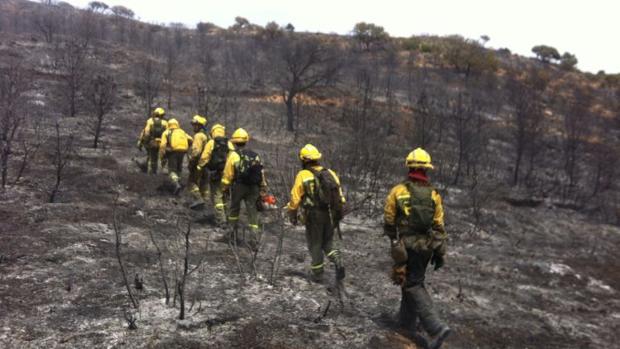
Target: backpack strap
x=204, y=144
x=169, y=138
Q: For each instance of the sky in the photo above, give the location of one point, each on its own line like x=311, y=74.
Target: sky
x=588, y=29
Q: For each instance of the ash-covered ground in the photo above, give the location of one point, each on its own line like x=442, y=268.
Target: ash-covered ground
x=536, y=276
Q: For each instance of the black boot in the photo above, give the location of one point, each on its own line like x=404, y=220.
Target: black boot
x=316, y=277
x=407, y=321
x=340, y=272
x=425, y=310
x=197, y=204
x=441, y=336
x=177, y=188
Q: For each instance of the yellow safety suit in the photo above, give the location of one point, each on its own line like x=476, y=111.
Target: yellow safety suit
x=318, y=221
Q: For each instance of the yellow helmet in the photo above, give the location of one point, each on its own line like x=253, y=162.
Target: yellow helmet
x=218, y=131
x=199, y=120
x=309, y=153
x=240, y=136
x=173, y=123
x=419, y=158
x=159, y=112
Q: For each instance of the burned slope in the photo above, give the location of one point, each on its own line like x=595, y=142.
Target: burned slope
x=542, y=275
x=520, y=272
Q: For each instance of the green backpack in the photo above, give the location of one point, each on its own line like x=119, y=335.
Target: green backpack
x=158, y=128
x=422, y=208
x=327, y=193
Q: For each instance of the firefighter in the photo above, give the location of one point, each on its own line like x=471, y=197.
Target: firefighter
x=198, y=181
x=413, y=221
x=151, y=136
x=243, y=172
x=321, y=212
x=211, y=163
x=172, y=149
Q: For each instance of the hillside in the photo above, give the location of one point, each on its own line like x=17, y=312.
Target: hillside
x=526, y=153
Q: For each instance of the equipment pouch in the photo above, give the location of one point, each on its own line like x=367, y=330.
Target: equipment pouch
x=399, y=252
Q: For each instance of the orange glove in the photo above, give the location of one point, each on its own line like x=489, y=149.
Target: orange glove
x=399, y=274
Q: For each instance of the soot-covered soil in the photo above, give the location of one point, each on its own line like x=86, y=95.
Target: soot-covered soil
x=534, y=277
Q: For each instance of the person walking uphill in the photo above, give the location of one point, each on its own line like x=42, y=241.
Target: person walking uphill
x=317, y=191
x=413, y=220
x=244, y=171
x=198, y=184
x=211, y=163
x=172, y=148
x=151, y=136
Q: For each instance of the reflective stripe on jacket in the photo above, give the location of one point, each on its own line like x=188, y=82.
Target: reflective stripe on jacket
x=230, y=169
x=146, y=132
x=397, y=208
x=205, y=157
x=199, y=143
x=304, y=184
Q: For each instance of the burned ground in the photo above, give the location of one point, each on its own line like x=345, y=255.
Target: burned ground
x=532, y=277
x=529, y=265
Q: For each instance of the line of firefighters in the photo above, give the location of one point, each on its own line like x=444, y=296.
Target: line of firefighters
x=413, y=212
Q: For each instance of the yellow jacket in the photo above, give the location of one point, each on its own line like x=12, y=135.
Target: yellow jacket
x=304, y=182
x=232, y=162
x=205, y=157
x=146, y=132
x=397, y=208
x=198, y=145
x=179, y=141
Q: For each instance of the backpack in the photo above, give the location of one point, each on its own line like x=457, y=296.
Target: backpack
x=422, y=208
x=158, y=128
x=250, y=168
x=327, y=194
x=169, y=139
x=219, y=154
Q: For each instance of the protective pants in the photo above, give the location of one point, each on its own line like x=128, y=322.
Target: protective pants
x=248, y=194
x=416, y=302
x=320, y=239
x=152, y=156
x=198, y=183
x=217, y=199
x=175, y=166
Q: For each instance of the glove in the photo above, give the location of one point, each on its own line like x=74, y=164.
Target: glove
x=399, y=274
x=437, y=260
x=292, y=216
x=263, y=192
x=198, y=168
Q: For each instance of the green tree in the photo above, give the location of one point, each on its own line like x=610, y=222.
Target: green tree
x=272, y=30
x=546, y=53
x=468, y=56
x=568, y=61
x=412, y=43
x=368, y=34
x=98, y=6
x=484, y=39
x=240, y=23
x=205, y=27
x=122, y=11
